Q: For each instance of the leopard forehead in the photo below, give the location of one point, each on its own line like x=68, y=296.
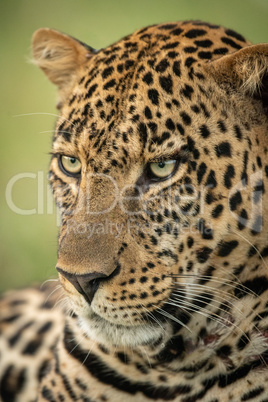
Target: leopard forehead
x=144, y=88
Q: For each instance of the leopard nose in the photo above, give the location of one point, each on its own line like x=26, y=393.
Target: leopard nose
x=85, y=284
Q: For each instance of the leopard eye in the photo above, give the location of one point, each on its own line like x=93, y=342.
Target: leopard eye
x=70, y=165
x=162, y=170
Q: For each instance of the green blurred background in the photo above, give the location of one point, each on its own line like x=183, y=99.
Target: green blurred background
x=28, y=242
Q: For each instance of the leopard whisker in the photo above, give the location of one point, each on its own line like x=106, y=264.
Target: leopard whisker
x=85, y=359
x=171, y=317
x=64, y=301
x=199, y=297
x=226, y=283
x=211, y=315
x=136, y=311
x=196, y=296
x=193, y=308
x=150, y=314
x=252, y=245
x=147, y=357
x=215, y=292
x=45, y=114
x=77, y=344
x=231, y=298
x=201, y=286
x=52, y=292
x=48, y=280
x=227, y=304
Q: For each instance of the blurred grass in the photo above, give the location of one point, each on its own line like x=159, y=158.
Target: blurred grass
x=27, y=103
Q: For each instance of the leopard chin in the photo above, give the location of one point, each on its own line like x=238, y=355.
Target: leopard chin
x=101, y=330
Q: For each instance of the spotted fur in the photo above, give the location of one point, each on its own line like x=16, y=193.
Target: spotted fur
x=166, y=277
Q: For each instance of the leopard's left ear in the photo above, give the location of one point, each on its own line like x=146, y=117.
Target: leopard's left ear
x=60, y=57
x=245, y=71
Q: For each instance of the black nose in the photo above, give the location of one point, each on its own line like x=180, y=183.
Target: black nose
x=86, y=284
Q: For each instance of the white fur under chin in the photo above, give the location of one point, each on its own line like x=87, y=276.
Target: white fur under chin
x=103, y=331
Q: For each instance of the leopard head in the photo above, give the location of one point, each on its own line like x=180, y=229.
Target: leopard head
x=159, y=168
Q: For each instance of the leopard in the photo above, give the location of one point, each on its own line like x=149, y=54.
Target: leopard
x=159, y=168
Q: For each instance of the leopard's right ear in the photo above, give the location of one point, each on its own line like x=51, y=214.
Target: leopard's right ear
x=60, y=57
x=244, y=71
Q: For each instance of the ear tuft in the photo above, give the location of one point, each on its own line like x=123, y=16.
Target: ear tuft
x=59, y=56
x=245, y=70
x=253, y=71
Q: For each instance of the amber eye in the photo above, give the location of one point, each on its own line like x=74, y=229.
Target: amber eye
x=70, y=165
x=162, y=170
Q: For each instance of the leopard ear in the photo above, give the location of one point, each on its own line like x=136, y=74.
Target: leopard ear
x=245, y=71
x=60, y=57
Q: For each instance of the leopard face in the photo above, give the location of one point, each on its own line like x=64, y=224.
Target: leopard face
x=159, y=168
